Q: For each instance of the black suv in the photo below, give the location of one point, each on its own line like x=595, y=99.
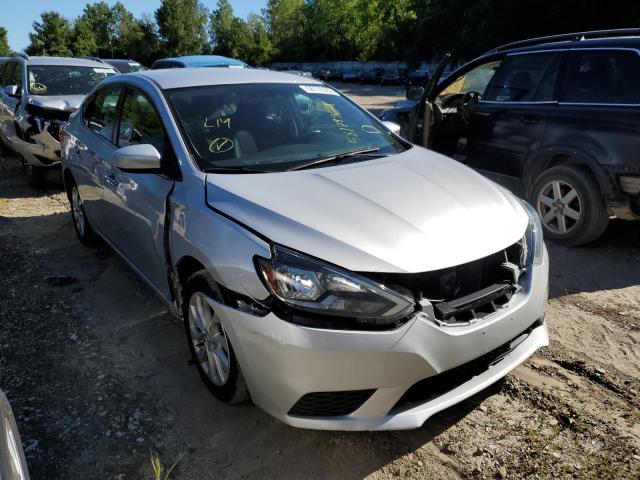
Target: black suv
x=556, y=119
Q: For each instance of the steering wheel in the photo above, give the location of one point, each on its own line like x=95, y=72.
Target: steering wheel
x=468, y=105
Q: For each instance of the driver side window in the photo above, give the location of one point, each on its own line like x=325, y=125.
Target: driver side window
x=475, y=80
x=139, y=123
x=518, y=76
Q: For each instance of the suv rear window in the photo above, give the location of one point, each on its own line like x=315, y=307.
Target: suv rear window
x=602, y=76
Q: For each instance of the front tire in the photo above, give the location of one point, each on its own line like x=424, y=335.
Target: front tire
x=571, y=207
x=80, y=221
x=209, y=344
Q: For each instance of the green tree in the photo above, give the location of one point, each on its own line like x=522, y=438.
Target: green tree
x=107, y=25
x=260, y=48
x=182, y=25
x=5, y=51
x=139, y=40
x=83, y=40
x=286, y=20
x=50, y=36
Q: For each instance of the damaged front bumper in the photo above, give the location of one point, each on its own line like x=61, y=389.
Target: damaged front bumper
x=41, y=148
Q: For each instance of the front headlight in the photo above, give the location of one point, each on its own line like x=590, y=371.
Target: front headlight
x=532, y=240
x=308, y=284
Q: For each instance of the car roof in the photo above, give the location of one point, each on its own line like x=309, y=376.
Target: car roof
x=197, y=77
x=66, y=61
x=120, y=60
x=610, y=42
x=204, y=60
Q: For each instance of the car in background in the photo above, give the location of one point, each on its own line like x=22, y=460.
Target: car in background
x=13, y=465
x=555, y=119
x=124, y=66
x=419, y=77
x=350, y=76
x=391, y=76
x=321, y=73
x=198, y=61
x=301, y=73
x=372, y=75
x=37, y=96
x=329, y=270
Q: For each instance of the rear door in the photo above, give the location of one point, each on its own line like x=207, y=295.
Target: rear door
x=508, y=123
x=598, y=114
x=135, y=203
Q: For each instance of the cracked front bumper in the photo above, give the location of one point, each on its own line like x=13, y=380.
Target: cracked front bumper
x=282, y=361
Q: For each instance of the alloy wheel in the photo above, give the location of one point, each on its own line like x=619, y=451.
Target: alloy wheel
x=559, y=206
x=209, y=340
x=78, y=211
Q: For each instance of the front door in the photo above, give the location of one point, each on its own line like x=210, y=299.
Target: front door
x=508, y=123
x=136, y=203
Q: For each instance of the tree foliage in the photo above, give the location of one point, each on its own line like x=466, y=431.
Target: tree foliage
x=5, y=51
x=182, y=25
x=50, y=36
x=313, y=30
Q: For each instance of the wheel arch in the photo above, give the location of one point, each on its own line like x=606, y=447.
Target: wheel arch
x=555, y=156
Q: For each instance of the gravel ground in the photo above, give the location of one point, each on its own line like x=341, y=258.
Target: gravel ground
x=98, y=376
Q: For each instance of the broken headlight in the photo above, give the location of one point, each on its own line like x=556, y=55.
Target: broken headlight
x=307, y=284
x=532, y=241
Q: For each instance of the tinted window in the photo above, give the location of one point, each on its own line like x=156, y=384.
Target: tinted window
x=139, y=122
x=602, y=76
x=7, y=73
x=100, y=112
x=274, y=125
x=517, y=77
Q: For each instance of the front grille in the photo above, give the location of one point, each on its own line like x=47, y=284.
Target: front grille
x=432, y=387
x=330, y=404
x=465, y=292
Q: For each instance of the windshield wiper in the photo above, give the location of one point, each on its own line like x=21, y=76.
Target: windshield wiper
x=238, y=169
x=336, y=158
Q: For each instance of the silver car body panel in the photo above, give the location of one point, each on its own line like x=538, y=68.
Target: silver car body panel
x=411, y=212
x=385, y=215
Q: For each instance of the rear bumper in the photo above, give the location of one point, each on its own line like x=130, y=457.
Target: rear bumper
x=282, y=362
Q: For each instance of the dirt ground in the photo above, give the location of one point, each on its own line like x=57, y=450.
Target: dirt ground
x=98, y=375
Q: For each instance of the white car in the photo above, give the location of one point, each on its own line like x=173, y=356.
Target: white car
x=340, y=276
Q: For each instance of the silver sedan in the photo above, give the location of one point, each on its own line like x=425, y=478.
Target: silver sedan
x=340, y=276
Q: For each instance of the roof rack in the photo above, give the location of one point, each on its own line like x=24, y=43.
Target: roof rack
x=23, y=55
x=569, y=37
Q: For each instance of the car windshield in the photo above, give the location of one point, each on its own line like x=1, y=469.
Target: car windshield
x=275, y=127
x=65, y=79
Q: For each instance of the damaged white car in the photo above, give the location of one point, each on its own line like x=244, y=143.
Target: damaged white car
x=336, y=274
x=37, y=96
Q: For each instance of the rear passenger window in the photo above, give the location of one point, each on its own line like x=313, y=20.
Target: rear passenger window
x=601, y=76
x=518, y=77
x=140, y=123
x=100, y=112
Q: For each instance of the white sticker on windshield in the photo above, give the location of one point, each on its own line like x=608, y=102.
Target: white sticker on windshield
x=103, y=70
x=318, y=89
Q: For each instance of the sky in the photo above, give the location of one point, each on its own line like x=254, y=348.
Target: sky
x=18, y=16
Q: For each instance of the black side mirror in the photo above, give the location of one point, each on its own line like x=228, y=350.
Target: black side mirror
x=414, y=92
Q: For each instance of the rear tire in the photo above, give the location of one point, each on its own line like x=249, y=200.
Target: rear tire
x=210, y=347
x=572, y=209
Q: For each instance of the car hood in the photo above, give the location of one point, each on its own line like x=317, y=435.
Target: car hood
x=66, y=103
x=412, y=212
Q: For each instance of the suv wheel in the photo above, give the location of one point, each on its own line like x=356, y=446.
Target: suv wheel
x=210, y=347
x=80, y=221
x=571, y=207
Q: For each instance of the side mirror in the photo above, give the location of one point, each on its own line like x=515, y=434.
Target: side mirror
x=11, y=90
x=414, y=92
x=394, y=127
x=137, y=158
